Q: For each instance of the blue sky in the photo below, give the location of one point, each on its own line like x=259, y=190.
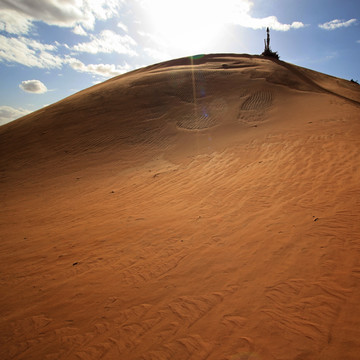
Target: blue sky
x=50, y=49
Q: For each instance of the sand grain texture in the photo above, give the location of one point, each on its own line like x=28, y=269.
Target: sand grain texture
x=194, y=209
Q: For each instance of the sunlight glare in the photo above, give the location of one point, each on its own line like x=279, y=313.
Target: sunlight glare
x=191, y=24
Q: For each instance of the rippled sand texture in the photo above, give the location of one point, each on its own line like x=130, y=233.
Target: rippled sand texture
x=193, y=209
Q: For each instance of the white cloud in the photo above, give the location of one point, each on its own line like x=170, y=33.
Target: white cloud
x=8, y=113
x=241, y=16
x=78, y=30
x=14, y=23
x=122, y=27
x=28, y=52
x=104, y=70
x=36, y=45
x=32, y=53
x=271, y=21
x=335, y=24
x=33, y=86
x=108, y=42
x=18, y=15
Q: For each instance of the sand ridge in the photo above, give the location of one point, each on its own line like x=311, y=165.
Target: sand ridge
x=136, y=227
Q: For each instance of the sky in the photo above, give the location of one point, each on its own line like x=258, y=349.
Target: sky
x=51, y=49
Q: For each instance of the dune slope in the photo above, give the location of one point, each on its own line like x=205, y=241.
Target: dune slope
x=201, y=208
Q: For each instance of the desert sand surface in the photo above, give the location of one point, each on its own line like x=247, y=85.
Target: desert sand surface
x=201, y=208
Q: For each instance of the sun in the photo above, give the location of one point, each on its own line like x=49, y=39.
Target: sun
x=189, y=25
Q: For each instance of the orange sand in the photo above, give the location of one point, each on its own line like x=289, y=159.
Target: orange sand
x=185, y=211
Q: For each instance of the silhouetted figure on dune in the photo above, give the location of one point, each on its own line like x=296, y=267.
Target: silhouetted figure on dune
x=267, y=51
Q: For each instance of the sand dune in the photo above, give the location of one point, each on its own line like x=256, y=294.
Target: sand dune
x=201, y=208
